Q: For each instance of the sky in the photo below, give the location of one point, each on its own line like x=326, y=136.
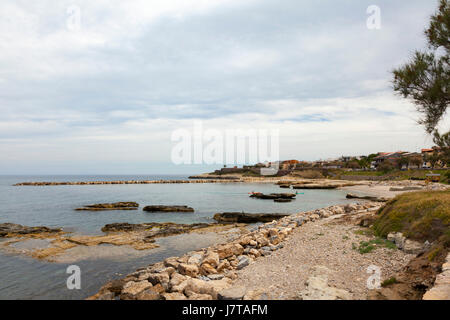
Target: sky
x=99, y=87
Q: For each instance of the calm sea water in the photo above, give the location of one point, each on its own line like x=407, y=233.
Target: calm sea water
x=25, y=278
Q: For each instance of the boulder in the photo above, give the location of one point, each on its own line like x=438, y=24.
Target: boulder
x=235, y=293
x=350, y=207
x=196, y=296
x=215, y=276
x=212, y=287
x=132, y=289
x=162, y=278
x=224, y=265
x=171, y=262
x=190, y=270
x=207, y=269
x=211, y=258
x=196, y=259
x=173, y=296
x=243, y=261
x=149, y=294
x=228, y=250
x=397, y=238
x=317, y=287
x=258, y=294
x=412, y=247
x=176, y=279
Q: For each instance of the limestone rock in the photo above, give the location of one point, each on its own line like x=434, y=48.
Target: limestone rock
x=243, y=261
x=318, y=289
x=412, y=247
x=207, y=269
x=132, y=289
x=195, y=259
x=173, y=296
x=211, y=258
x=259, y=294
x=229, y=250
x=235, y=293
x=149, y=294
x=190, y=270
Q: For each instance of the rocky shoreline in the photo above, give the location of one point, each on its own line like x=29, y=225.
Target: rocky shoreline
x=211, y=273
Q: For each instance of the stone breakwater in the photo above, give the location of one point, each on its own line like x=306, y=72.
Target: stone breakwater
x=82, y=183
x=208, y=273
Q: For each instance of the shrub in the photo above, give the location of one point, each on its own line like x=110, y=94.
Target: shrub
x=418, y=215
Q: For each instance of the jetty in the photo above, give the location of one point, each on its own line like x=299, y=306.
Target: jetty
x=83, y=183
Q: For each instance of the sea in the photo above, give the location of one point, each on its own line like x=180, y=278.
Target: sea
x=23, y=277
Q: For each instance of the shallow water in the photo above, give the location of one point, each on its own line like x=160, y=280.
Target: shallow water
x=25, y=278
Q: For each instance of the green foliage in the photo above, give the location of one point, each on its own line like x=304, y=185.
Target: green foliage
x=385, y=167
x=418, y=215
x=388, y=282
x=369, y=246
x=426, y=78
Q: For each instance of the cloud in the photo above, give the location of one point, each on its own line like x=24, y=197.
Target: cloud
x=137, y=70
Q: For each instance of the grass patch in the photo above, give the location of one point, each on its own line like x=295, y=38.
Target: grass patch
x=434, y=253
x=418, y=215
x=364, y=232
x=388, y=282
x=369, y=246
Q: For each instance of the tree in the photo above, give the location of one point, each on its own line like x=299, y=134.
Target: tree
x=432, y=158
x=403, y=161
x=426, y=78
x=385, y=167
x=416, y=161
x=443, y=141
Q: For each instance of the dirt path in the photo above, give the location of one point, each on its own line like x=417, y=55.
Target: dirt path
x=329, y=243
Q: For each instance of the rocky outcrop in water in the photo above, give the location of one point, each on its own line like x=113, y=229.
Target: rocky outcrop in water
x=369, y=198
x=154, y=229
x=110, y=206
x=315, y=186
x=161, y=208
x=241, y=217
x=12, y=229
x=272, y=196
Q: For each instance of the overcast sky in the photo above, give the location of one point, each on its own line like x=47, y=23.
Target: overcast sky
x=105, y=97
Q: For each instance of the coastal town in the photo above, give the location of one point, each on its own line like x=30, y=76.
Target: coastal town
x=432, y=158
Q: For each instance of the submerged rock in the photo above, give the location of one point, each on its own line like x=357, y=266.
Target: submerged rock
x=161, y=208
x=154, y=229
x=241, y=217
